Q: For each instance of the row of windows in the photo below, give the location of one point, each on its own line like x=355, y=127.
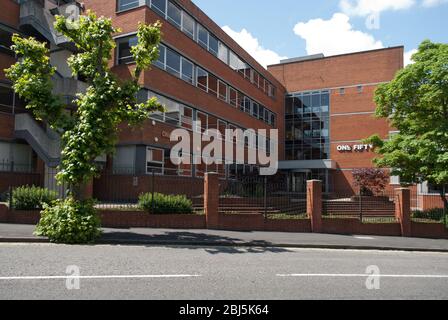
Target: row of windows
x=158, y=161
x=175, y=64
x=180, y=115
x=187, y=24
x=308, y=103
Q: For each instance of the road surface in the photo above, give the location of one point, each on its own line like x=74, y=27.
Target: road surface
x=46, y=271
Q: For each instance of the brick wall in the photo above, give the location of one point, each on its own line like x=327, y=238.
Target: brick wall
x=10, y=13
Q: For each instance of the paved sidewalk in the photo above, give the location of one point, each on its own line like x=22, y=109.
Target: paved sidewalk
x=24, y=233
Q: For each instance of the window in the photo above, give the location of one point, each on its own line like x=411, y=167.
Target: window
x=155, y=159
x=202, y=79
x=162, y=57
x=271, y=90
x=187, y=71
x=6, y=97
x=124, y=160
x=223, y=53
x=6, y=42
x=234, y=61
x=342, y=91
x=247, y=105
x=255, y=107
x=256, y=79
x=272, y=120
x=127, y=4
x=186, y=117
x=261, y=112
x=203, y=119
x=173, y=62
x=213, y=45
x=188, y=25
x=174, y=14
x=233, y=97
x=241, y=101
x=213, y=84
x=124, y=50
x=172, y=113
x=203, y=37
x=359, y=89
x=159, y=6
x=222, y=90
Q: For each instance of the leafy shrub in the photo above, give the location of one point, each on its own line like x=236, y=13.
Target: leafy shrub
x=436, y=214
x=69, y=221
x=165, y=204
x=32, y=198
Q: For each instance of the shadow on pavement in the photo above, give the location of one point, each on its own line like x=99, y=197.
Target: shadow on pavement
x=213, y=244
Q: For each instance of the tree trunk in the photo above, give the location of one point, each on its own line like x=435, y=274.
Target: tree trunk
x=82, y=191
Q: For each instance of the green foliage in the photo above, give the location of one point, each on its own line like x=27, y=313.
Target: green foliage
x=436, y=214
x=165, y=204
x=32, y=198
x=92, y=129
x=69, y=221
x=31, y=79
x=416, y=104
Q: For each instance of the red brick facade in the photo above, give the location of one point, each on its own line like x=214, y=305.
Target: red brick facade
x=352, y=116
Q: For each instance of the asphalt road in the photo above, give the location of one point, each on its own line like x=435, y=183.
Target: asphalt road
x=45, y=271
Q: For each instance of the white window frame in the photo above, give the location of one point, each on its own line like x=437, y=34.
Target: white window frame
x=197, y=75
x=162, y=163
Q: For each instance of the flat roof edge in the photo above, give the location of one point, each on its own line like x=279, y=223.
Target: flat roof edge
x=312, y=58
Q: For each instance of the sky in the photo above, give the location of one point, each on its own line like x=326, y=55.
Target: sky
x=275, y=30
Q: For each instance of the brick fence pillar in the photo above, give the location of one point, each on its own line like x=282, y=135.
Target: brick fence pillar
x=403, y=211
x=211, y=200
x=314, y=204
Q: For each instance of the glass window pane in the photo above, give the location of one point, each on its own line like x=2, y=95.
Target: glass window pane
x=255, y=109
x=187, y=71
x=159, y=6
x=261, y=113
x=188, y=24
x=161, y=60
x=187, y=117
x=172, y=62
x=234, y=61
x=127, y=4
x=124, y=50
x=223, y=53
x=222, y=91
x=213, y=84
x=213, y=45
x=233, y=97
x=6, y=96
x=203, y=37
x=202, y=79
x=174, y=14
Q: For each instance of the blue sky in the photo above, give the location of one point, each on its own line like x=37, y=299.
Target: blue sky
x=272, y=30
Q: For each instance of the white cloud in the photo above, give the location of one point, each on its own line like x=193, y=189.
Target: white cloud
x=251, y=44
x=433, y=3
x=367, y=7
x=408, y=57
x=334, y=36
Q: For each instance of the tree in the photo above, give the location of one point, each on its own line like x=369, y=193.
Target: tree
x=370, y=181
x=416, y=104
x=91, y=130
